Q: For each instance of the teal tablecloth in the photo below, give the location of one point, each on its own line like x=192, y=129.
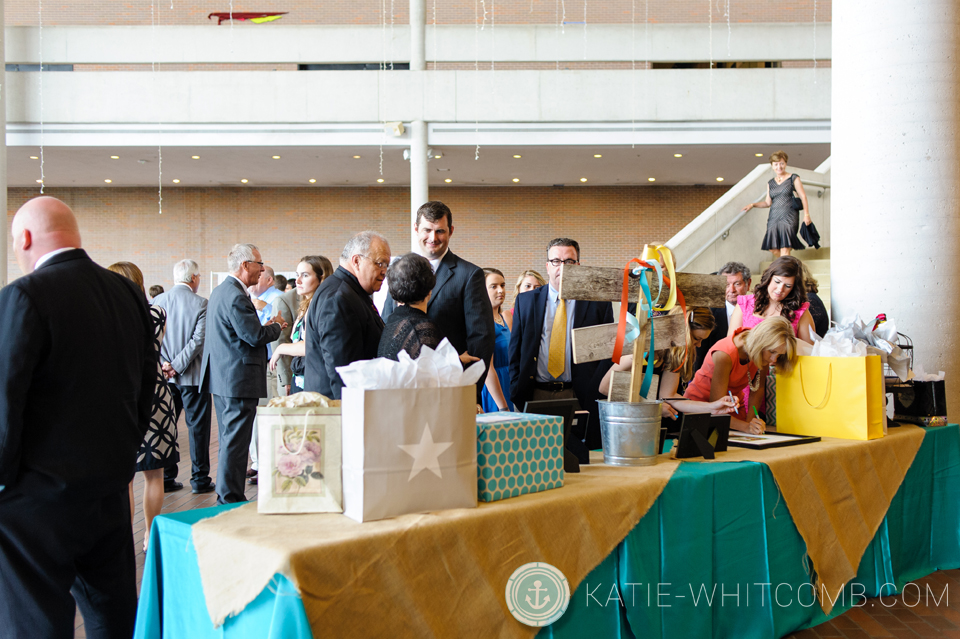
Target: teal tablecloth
x=716, y=556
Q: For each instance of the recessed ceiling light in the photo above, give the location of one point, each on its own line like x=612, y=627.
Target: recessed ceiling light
x=176, y=181
x=597, y=155
x=34, y=157
x=276, y=157
x=678, y=155
x=517, y=157
x=244, y=181
x=356, y=157
x=516, y=179
x=108, y=181
x=114, y=157
x=719, y=179
x=448, y=180
x=437, y=157
x=195, y=157
x=379, y=179
x=759, y=155
x=651, y=179
x=313, y=181
x=583, y=179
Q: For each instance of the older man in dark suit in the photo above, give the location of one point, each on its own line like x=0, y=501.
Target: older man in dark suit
x=541, y=364
x=234, y=365
x=459, y=305
x=181, y=354
x=342, y=324
x=69, y=438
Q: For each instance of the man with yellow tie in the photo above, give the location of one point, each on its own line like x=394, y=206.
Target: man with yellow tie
x=541, y=364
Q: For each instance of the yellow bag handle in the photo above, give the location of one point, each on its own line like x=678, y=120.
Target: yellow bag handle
x=653, y=252
x=826, y=392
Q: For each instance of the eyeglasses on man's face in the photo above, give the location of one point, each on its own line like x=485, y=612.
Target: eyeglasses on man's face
x=557, y=262
x=380, y=265
x=253, y=262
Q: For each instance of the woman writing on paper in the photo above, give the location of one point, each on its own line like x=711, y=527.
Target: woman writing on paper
x=734, y=363
x=311, y=270
x=675, y=366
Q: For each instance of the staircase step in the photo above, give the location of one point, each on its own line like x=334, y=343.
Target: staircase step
x=818, y=267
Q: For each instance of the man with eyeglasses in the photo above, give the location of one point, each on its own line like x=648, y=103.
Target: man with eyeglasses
x=342, y=324
x=234, y=368
x=541, y=364
x=459, y=304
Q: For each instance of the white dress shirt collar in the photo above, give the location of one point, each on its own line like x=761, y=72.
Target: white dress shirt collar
x=45, y=258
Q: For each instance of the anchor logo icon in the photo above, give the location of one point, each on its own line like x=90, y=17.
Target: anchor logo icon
x=537, y=590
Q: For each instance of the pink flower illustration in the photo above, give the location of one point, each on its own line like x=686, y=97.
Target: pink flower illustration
x=290, y=465
x=311, y=452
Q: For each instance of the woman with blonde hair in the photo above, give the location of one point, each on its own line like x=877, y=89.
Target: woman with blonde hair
x=159, y=447
x=675, y=365
x=311, y=271
x=784, y=219
x=735, y=363
x=529, y=280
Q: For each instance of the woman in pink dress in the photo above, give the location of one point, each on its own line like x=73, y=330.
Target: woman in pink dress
x=781, y=292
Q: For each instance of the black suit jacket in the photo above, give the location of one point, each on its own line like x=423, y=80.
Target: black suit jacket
x=719, y=332
x=528, y=313
x=78, y=367
x=342, y=327
x=460, y=307
x=235, y=350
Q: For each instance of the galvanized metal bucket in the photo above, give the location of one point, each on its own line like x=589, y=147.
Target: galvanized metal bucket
x=630, y=432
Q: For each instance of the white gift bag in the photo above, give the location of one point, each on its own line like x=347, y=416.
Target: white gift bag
x=408, y=451
x=299, y=460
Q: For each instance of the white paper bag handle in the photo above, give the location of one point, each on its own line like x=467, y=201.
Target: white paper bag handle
x=303, y=439
x=803, y=387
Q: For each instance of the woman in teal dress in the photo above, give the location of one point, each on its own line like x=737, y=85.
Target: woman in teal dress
x=496, y=390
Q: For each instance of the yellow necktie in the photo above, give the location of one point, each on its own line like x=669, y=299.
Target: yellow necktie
x=558, y=341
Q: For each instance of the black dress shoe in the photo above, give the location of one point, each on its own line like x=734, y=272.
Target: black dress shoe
x=209, y=488
x=251, y=472
x=172, y=486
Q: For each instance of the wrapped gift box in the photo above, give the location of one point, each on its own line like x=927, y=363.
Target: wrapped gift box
x=518, y=453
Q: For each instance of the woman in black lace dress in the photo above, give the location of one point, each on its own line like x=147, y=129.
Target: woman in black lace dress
x=159, y=447
x=784, y=219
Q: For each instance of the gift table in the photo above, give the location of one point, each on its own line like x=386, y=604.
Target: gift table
x=716, y=555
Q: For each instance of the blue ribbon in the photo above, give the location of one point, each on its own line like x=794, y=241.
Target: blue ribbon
x=648, y=371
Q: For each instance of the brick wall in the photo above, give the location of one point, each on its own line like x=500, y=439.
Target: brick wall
x=123, y=12
x=506, y=228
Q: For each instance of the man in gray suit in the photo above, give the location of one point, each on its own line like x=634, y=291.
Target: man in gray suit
x=182, y=354
x=234, y=367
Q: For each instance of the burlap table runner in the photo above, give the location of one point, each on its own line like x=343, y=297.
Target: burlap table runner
x=838, y=491
x=437, y=574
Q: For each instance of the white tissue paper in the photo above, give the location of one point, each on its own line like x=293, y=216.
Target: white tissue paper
x=920, y=375
x=433, y=369
x=854, y=338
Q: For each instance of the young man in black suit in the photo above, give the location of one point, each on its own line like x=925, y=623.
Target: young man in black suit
x=459, y=305
x=234, y=367
x=68, y=437
x=541, y=365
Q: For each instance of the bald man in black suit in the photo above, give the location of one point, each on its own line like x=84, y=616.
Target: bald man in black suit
x=77, y=374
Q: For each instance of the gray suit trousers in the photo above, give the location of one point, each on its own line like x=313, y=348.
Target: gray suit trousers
x=235, y=417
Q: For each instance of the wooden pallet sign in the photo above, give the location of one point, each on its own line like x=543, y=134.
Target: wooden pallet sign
x=598, y=284
x=593, y=343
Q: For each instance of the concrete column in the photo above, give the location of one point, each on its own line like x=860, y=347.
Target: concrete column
x=418, y=35
x=419, y=187
x=3, y=151
x=895, y=214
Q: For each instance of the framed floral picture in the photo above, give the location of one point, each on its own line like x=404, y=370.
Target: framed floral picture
x=299, y=460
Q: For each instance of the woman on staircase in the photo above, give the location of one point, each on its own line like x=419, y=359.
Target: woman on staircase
x=784, y=219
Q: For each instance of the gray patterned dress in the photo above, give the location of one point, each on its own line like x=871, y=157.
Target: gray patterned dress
x=784, y=220
x=159, y=447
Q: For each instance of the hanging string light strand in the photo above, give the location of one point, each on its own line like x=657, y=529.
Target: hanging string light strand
x=476, y=74
x=40, y=77
x=154, y=23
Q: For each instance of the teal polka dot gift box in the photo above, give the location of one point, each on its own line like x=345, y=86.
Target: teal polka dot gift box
x=518, y=453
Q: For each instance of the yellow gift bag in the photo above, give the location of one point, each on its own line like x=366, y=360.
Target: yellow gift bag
x=832, y=397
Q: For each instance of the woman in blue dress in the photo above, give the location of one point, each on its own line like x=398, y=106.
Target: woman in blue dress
x=496, y=390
